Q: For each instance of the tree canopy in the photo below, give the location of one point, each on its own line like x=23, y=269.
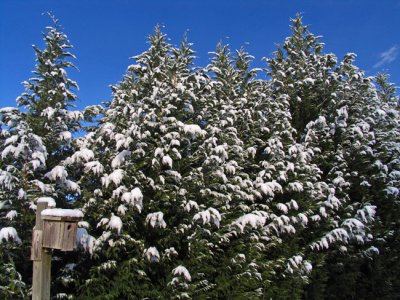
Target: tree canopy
x=209, y=183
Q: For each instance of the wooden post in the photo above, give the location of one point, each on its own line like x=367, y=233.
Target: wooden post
x=56, y=229
x=41, y=259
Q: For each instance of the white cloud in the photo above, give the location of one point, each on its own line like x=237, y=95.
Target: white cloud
x=387, y=56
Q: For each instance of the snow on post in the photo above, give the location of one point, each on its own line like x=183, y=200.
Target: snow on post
x=59, y=212
x=50, y=201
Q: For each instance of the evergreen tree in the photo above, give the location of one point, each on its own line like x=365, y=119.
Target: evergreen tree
x=35, y=139
x=23, y=156
x=329, y=105
x=136, y=158
x=197, y=169
x=225, y=188
x=209, y=183
x=50, y=94
x=381, y=263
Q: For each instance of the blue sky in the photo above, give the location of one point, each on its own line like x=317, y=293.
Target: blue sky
x=106, y=33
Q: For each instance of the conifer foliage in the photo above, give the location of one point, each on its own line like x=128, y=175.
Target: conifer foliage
x=35, y=138
x=211, y=183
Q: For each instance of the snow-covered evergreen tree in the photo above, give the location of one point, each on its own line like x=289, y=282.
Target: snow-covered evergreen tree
x=23, y=157
x=139, y=161
x=343, y=131
x=336, y=140
x=34, y=140
x=50, y=95
x=226, y=190
x=387, y=131
x=195, y=169
x=209, y=183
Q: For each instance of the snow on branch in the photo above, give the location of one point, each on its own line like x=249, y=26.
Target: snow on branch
x=182, y=271
x=8, y=234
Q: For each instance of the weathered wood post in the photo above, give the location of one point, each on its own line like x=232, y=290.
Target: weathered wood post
x=41, y=259
x=55, y=229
